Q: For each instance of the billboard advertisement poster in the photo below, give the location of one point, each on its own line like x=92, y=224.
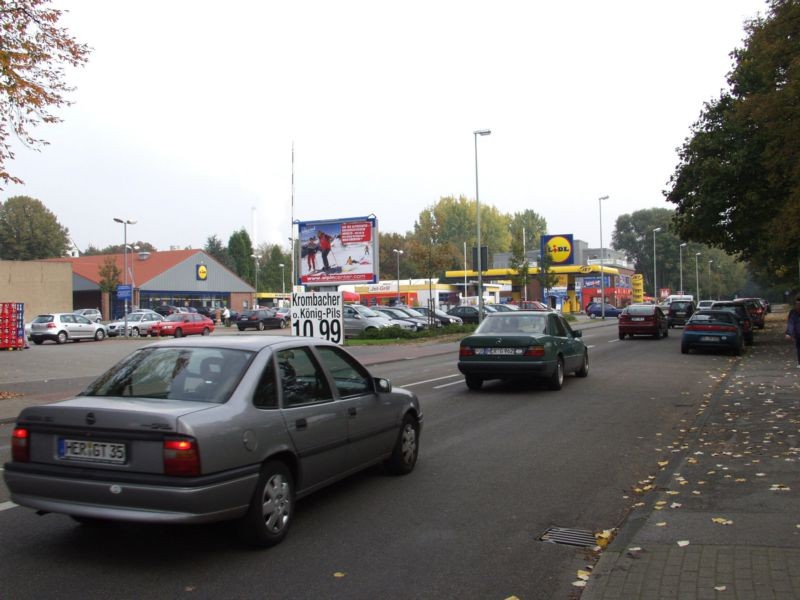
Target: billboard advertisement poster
x=318, y=315
x=341, y=251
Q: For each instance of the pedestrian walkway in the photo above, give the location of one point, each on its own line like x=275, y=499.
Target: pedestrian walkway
x=721, y=517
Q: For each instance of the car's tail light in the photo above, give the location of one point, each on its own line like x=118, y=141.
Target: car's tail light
x=20, y=445
x=624, y=318
x=181, y=457
x=51, y=325
x=466, y=351
x=536, y=351
x=725, y=328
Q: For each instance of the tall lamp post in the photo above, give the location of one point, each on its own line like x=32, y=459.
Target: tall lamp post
x=709, y=279
x=283, y=278
x=696, y=276
x=255, y=297
x=478, y=220
x=602, y=282
x=680, y=258
x=655, y=271
x=125, y=223
x=398, y=253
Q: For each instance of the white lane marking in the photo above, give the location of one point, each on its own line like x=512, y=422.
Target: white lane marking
x=590, y=346
x=7, y=505
x=429, y=380
x=438, y=387
x=613, y=341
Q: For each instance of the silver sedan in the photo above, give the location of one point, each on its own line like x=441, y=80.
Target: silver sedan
x=212, y=429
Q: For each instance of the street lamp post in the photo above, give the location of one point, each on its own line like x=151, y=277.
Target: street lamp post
x=602, y=282
x=125, y=223
x=255, y=297
x=478, y=220
x=696, y=276
x=709, y=279
x=398, y=253
x=680, y=258
x=283, y=278
x=655, y=271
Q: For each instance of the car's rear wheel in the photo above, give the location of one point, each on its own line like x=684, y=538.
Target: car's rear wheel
x=272, y=507
x=737, y=351
x=557, y=378
x=666, y=332
x=99, y=335
x=62, y=337
x=206, y=331
x=284, y=323
x=622, y=336
x=179, y=332
x=406, y=449
x=684, y=349
x=240, y=328
x=473, y=383
x=38, y=342
x=261, y=325
x=584, y=370
x=135, y=332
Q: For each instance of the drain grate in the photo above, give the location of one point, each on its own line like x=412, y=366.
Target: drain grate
x=569, y=537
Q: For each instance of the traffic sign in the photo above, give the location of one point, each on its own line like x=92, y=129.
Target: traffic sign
x=124, y=291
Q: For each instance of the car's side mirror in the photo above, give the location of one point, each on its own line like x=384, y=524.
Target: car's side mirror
x=577, y=333
x=383, y=385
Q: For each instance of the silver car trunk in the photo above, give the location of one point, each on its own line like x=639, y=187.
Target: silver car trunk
x=127, y=437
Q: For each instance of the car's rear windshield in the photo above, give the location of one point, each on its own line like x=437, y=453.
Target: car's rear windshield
x=510, y=323
x=43, y=319
x=641, y=310
x=195, y=374
x=679, y=305
x=717, y=316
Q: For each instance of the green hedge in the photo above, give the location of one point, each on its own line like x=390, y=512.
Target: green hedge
x=393, y=333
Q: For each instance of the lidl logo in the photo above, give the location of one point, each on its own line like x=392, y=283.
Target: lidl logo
x=559, y=247
x=202, y=272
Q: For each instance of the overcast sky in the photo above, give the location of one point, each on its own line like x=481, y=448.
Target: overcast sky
x=185, y=116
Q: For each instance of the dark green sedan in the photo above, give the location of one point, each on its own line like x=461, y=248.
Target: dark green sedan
x=523, y=345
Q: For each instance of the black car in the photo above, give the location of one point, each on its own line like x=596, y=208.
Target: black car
x=440, y=316
x=469, y=314
x=742, y=317
x=679, y=312
x=166, y=310
x=261, y=319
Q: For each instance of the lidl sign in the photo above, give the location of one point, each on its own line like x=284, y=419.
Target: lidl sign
x=201, y=272
x=560, y=248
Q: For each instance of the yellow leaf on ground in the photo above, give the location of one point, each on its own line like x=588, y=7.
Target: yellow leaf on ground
x=339, y=574
x=683, y=543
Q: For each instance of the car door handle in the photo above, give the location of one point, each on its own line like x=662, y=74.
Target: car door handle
x=301, y=424
x=352, y=411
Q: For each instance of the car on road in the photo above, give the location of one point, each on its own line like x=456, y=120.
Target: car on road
x=90, y=313
x=523, y=345
x=595, y=310
x=396, y=313
x=469, y=314
x=755, y=309
x=440, y=316
x=212, y=429
x=713, y=330
x=261, y=319
x=705, y=304
x=139, y=324
x=742, y=318
x=679, y=312
x=181, y=324
x=643, y=319
x=65, y=327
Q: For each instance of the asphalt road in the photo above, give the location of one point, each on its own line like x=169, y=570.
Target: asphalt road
x=496, y=469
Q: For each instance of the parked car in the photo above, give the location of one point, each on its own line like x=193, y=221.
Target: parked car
x=595, y=310
x=523, y=345
x=90, y=313
x=643, y=319
x=394, y=312
x=139, y=324
x=502, y=307
x=224, y=428
x=679, y=312
x=181, y=324
x=469, y=314
x=357, y=320
x=534, y=305
x=713, y=329
x=261, y=319
x=755, y=309
x=441, y=316
x=64, y=327
x=166, y=310
x=742, y=317
x=416, y=315
x=207, y=311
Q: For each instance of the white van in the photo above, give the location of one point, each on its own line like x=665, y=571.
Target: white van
x=674, y=297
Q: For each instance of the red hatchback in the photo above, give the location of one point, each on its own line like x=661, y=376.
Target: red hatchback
x=181, y=324
x=643, y=319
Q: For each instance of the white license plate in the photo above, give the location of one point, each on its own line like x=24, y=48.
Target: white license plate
x=709, y=338
x=637, y=318
x=499, y=351
x=92, y=451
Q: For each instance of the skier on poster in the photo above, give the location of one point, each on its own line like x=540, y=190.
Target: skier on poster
x=325, y=241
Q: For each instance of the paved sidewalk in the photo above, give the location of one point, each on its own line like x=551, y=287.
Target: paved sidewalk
x=721, y=516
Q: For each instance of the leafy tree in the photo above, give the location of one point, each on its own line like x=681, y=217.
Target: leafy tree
x=240, y=249
x=530, y=225
x=737, y=185
x=29, y=231
x=546, y=277
x=518, y=261
x=119, y=248
x=33, y=50
x=428, y=252
x=217, y=250
x=109, y=274
x=387, y=263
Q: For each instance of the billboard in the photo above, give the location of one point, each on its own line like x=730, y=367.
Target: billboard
x=560, y=248
x=341, y=251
